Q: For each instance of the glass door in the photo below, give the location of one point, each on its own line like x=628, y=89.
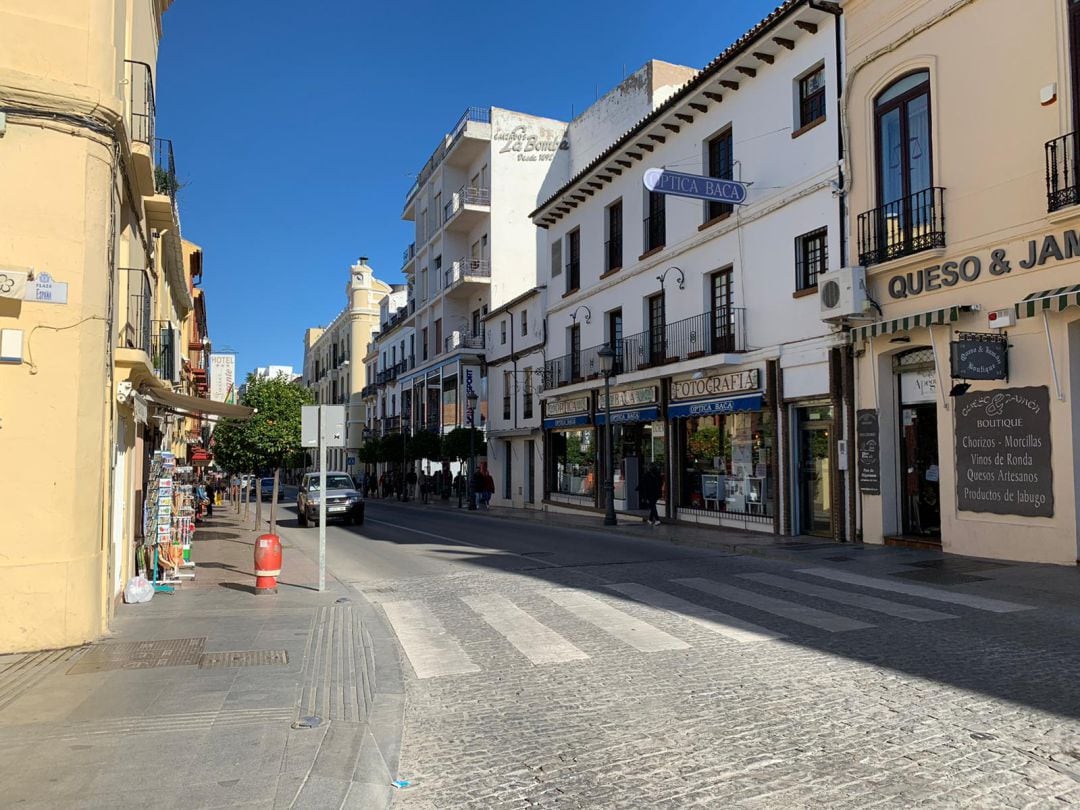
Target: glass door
x=815, y=483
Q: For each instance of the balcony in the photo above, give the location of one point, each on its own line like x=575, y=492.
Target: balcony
x=161, y=206
x=1062, y=183
x=463, y=340
x=474, y=124
x=466, y=207
x=654, y=232
x=408, y=255
x=141, y=114
x=466, y=271
x=711, y=333
x=902, y=227
x=163, y=350
x=135, y=332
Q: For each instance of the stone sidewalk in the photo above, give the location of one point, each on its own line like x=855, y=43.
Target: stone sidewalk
x=202, y=698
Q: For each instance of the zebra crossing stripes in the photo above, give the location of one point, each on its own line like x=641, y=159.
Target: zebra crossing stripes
x=535, y=641
x=638, y=634
x=792, y=611
x=921, y=591
x=431, y=651
x=859, y=600
x=721, y=623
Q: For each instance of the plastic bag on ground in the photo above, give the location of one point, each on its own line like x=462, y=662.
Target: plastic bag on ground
x=137, y=590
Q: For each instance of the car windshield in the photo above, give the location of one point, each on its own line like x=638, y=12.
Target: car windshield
x=332, y=482
x=268, y=482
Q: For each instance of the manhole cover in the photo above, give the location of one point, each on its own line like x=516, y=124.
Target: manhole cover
x=172, y=652
x=242, y=658
x=311, y=721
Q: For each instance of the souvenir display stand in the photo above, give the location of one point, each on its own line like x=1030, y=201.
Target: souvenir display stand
x=168, y=523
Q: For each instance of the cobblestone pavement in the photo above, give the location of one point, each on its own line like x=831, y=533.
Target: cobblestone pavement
x=717, y=680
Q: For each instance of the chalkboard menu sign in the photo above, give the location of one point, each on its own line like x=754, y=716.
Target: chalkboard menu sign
x=976, y=356
x=866, y=434
x=1003, y=452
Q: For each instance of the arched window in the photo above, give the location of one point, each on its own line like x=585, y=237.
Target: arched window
x=902, y=121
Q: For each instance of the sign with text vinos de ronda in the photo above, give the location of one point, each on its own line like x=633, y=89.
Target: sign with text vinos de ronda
x=714, y=189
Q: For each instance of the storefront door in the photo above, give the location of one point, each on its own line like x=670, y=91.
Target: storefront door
x=920, y=496
x=815, y=483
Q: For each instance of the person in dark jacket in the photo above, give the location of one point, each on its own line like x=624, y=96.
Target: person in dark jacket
x=649, y=491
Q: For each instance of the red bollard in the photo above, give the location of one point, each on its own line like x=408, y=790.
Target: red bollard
x=267, y=563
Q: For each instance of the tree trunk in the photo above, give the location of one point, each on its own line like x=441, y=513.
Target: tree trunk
x=258, y=503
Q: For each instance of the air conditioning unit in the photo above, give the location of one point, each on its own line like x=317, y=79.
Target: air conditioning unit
x=842, y=293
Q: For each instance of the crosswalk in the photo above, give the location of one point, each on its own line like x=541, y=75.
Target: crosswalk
x=617, y=611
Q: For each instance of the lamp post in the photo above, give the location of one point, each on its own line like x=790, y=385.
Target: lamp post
x=607, y=365
x=472, y=398
x=404, y=462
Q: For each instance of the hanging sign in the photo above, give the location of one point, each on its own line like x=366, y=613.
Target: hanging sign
x=714, y=189
x=13, y=283
x=866, y=433
x=976, y=356
x=1003, y=452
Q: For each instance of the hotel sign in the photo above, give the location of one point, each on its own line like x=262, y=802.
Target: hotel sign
x=714, y=189
x=629, y=399
x=716, y=385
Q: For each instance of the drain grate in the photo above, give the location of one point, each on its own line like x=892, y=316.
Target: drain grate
x=172, y=652
x=243, y=658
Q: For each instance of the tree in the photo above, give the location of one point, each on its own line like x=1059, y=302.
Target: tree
x=424, y=444
x=268, y=438
x=455, y=444
x=392, y=448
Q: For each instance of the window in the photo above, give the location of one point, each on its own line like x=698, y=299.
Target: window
x=573, y=260
x=575, y=352
x=613, y=246
x=436, y=274
x=423, y=284
x=721, y=162
x=476, y=322
x=524, y=322
x=438, y=336
x=723, y=316
x=573, y=462
x=527, y=405
x=614, y=338
x=508, y=378
x=812, y=97
x=502, y=332
x=423, y=343
x=811, y=258
x=655, y=234
x=556, y=257
x=656, y=318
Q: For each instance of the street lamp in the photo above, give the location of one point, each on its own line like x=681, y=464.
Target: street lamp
x=404, y=462
x=472, y=398
x=607, y=365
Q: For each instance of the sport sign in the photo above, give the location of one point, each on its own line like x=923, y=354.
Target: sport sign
x=665, y=181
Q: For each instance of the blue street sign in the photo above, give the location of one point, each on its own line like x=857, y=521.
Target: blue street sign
x=665, y=181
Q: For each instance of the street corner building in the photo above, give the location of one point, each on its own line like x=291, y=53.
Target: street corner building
x=103, y=334
x=962, y=194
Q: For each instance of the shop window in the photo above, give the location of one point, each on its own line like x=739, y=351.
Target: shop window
x=573, y=462
x=812, y=97
x=726, y=464
x=811, y=258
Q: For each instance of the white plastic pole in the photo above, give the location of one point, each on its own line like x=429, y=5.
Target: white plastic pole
x=322, y=500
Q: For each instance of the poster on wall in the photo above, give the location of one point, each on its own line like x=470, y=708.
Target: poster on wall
x=866, y=434
x=1003, y=452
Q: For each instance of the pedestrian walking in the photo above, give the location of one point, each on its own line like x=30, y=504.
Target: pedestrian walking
x=410, y=482
x=489, y=486
x=649, y=492
x=211, y=491
x=425, y=486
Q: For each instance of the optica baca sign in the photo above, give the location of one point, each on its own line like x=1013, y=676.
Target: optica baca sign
x=714, y=189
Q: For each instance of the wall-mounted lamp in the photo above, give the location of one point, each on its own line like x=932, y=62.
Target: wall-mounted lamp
x=663, y=276
x=588, y=314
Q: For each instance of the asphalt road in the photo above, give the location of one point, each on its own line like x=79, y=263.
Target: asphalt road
x=547, y=666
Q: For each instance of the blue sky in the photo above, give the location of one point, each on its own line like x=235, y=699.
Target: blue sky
x=298, y=127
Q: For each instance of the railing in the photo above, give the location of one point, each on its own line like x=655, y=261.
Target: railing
x=461, y=340
x=162, y=353
x=902, y=227
x=135, y=333
x=1062, y=181
x=653, y=232
x=480, y=115
x=466, y=195
x=165, y=181
x=716, y=332
x=613, y=253
x=409, y=254
x=461, y=269
x=140, y=87
x=391, y=424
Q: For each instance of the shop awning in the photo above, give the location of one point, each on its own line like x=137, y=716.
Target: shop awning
x=906, y=323
x=193, y=405
x=1055, y=300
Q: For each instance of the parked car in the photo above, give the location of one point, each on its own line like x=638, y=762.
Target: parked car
x=268, y=487
x=343, y=501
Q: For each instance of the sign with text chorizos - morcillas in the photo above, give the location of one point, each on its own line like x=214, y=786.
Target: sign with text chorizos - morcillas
x=867, y=442
x=1003, y=452
x=714, y=189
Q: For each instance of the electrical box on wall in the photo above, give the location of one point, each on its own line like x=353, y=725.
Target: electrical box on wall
x=1001, y=319
x=841, y=454
x=11, y=345
x=842, y=293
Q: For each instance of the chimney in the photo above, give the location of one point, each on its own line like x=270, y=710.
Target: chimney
x=363, y=259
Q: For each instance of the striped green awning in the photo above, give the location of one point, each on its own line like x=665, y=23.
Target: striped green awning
x=1056, y=300
x=907, y=322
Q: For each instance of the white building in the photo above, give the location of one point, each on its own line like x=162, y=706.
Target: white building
x=273, y=372
x=726, y=379
x=329, y=352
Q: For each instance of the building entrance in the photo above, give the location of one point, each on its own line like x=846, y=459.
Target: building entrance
x=919, y=474
x=815, y=482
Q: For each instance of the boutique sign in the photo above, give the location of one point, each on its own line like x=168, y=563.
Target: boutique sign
x=998, y=262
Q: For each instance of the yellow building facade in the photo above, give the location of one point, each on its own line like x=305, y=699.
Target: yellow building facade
x=91, y=237
x=962, y=192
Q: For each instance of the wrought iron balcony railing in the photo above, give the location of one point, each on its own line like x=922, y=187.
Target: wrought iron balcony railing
x=902, y=227
x=135, y=332
x=1062, y=182
x=142, y=110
